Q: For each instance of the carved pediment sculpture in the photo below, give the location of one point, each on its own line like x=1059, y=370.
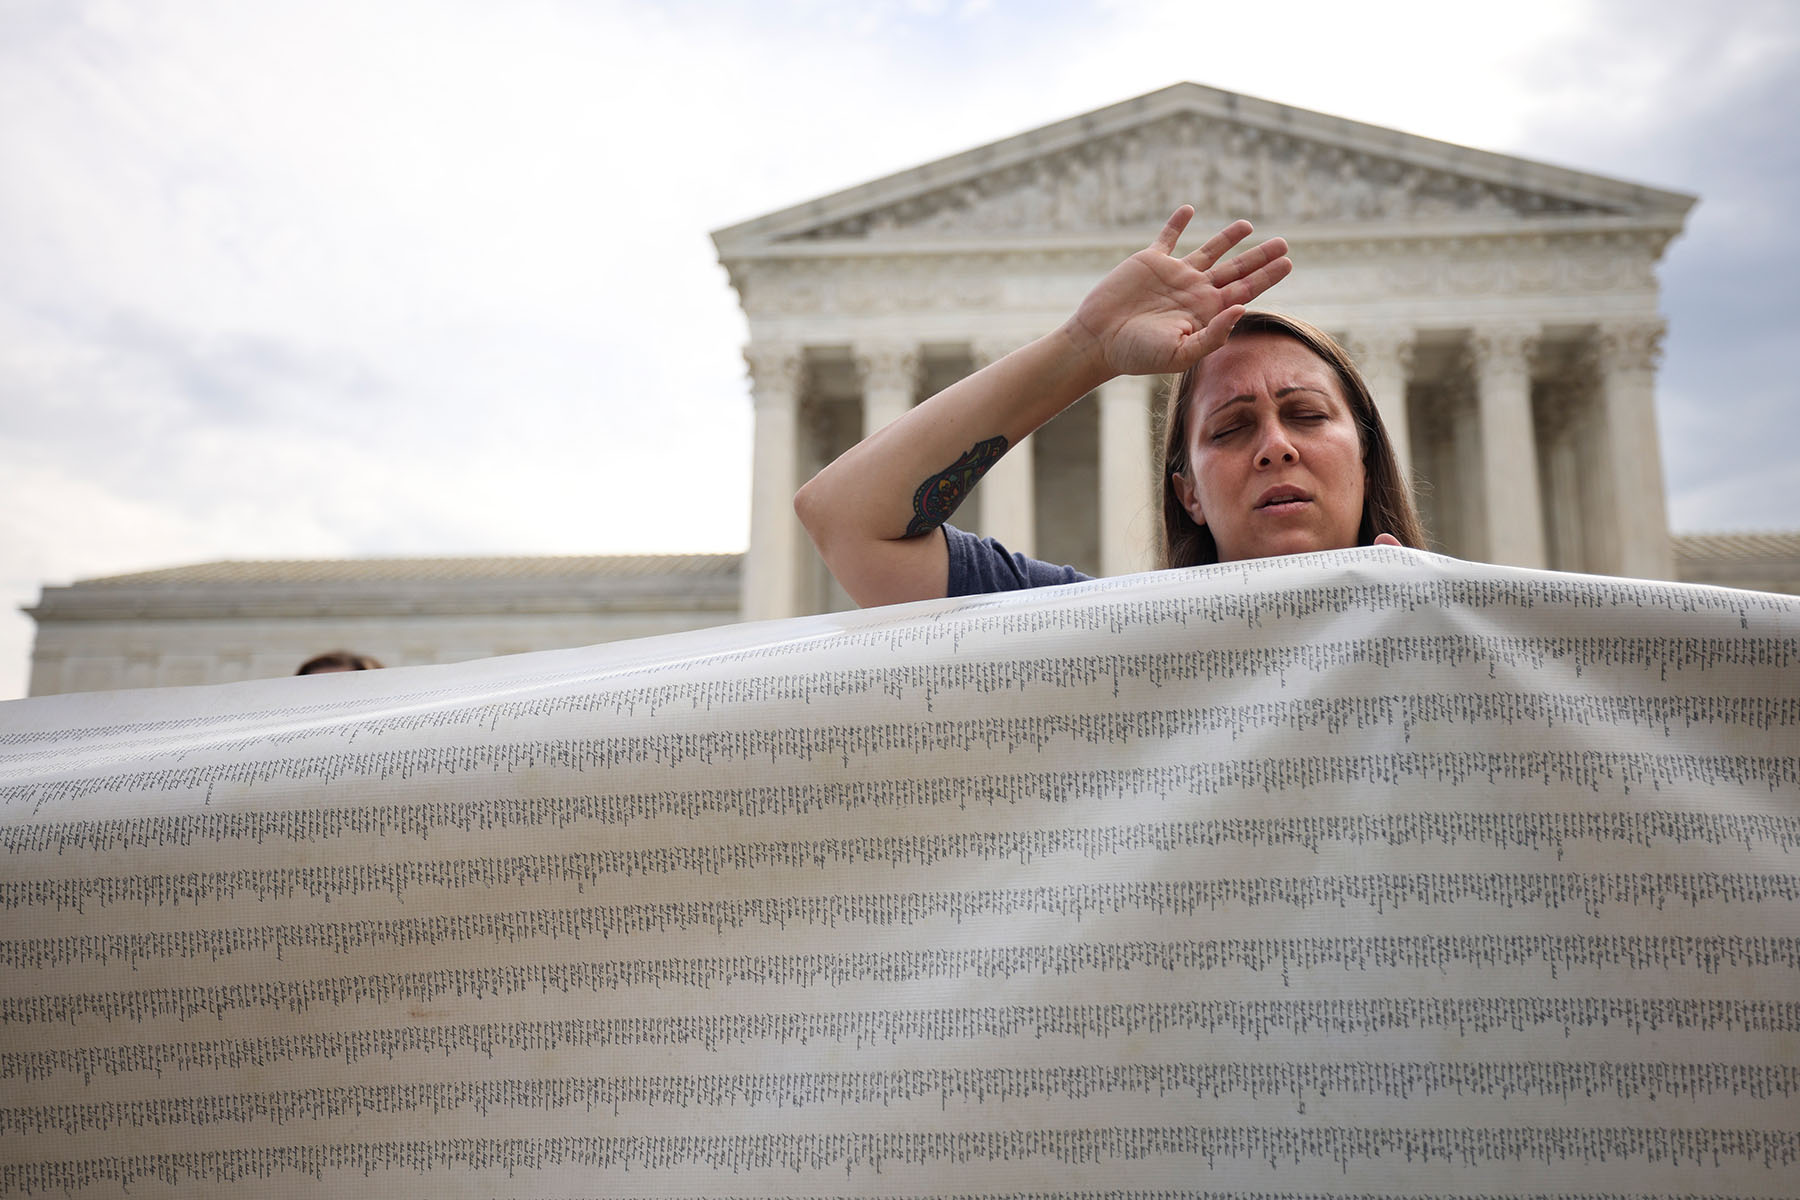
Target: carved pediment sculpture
x=1126, y=167
x=1223, y=170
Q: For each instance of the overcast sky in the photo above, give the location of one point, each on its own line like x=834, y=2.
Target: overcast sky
x=343, y=277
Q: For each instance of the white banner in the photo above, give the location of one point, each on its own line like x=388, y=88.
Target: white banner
x=1371, y=873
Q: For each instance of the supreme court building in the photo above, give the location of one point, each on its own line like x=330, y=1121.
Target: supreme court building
x=1503, y=311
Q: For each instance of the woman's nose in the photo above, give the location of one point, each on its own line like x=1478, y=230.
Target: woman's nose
x=1275, y=448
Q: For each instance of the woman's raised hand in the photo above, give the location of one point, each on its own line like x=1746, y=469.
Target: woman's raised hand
x=1156, y=314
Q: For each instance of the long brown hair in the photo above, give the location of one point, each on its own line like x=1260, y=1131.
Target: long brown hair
x=1387, y=498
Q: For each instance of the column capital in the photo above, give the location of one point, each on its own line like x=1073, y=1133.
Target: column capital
x=1382, y=343
x=777, y=370
x=1503, y=348
x=888, y=366
x=1628, y=345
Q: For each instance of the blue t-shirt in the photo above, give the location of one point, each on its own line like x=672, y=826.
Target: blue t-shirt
x=982, y=565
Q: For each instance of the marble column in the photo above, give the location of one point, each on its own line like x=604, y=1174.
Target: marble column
x=1512, y=499
x=1384, y=355
x=1007, y=495
x=1127, y=474
x=1626, y=355
x=1562, y=470
x=770, y=586
x=48, y=676
x=890, y=380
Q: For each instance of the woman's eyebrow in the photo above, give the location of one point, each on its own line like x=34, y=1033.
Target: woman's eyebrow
x=1212, y=414
x=1249, y=398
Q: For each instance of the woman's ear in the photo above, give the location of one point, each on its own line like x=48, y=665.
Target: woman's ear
x=1190, y=500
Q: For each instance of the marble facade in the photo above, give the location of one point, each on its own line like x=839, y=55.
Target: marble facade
x=1504, y=311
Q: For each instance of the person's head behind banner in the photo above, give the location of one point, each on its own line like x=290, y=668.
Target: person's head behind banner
x=333, y=661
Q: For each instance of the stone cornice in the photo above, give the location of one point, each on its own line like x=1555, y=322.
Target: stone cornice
x=1650, y=233
x=717, y=593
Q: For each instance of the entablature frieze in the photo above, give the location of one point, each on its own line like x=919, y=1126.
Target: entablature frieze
x=1649, y=236
x=1560, y=275
x=77, y=605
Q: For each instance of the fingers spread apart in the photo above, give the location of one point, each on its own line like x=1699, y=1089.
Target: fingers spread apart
x=1171, y=233
x=1218, y=244
x=1253, y=272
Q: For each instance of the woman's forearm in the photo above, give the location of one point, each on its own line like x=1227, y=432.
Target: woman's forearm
x=870, y=511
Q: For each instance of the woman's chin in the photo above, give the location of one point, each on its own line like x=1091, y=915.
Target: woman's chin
x=1281, y=543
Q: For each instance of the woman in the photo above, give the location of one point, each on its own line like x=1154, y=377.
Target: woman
x=1273, y=445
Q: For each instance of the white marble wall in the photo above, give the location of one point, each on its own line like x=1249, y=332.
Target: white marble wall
x=145, y=652
x=228, y=622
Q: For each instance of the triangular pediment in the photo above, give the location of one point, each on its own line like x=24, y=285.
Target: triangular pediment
x=1124, y=168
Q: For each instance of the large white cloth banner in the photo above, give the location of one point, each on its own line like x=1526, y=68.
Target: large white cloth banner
x=1371, y=873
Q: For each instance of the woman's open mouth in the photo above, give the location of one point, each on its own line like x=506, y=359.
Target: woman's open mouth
x=1282, y=499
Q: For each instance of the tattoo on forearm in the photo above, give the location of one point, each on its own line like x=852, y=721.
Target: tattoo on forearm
x=939, y=495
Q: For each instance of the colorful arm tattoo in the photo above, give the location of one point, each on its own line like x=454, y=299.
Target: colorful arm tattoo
x=939, y=495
